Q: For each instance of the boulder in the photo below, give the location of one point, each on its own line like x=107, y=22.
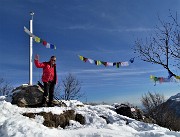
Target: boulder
x=55, y=120
x=124, y=110
x=80, y=118
x=132, y=112
x=27, y=95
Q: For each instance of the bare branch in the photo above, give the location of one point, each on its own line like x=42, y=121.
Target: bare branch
x=71, y=88
x=162, y=48
x=5, y=87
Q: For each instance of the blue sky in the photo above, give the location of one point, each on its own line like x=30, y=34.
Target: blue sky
x=98, y=29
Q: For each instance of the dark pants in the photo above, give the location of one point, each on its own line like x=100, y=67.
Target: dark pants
x=48, y=89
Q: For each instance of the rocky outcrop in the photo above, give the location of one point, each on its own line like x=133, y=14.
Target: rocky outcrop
x=133, y=112
x=124, y=110
x=31, y=96
x=27, y=95
x=55, y=120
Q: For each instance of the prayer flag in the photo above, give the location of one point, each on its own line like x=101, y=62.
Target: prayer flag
x=105, y=63
x=91, y=61
x=39, y=40
x=81, y=57
x=44, y=43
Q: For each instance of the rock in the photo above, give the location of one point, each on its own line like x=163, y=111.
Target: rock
x=55, y=120
x=106, y=118
x=132, y=112
x=27, y=95
x=80, y=119
x=59, y=103
x=124, y=110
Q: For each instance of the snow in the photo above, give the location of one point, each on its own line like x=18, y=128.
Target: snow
x=175, y=97
x=14, y=124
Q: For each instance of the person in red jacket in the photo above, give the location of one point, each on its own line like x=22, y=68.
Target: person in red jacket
x=49, y=78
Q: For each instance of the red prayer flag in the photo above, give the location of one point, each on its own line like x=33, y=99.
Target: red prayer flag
x=44, y=43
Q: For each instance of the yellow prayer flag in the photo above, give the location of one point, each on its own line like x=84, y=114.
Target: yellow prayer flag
x=177, y=77
x=37, y=39
x=99, y=63
x=81, y=57
x=151, y=77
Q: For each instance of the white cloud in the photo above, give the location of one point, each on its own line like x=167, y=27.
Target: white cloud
x=107, y=29
x=140, y=29
x=112, y=76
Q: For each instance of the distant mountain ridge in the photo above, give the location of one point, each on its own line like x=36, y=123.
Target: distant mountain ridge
x=175, y=97
x=174, y=103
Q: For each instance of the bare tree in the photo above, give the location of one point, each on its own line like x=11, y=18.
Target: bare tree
x=151, y=101
x=70, y=88
x=162, y=48
x=156, y=108
x=5, y=87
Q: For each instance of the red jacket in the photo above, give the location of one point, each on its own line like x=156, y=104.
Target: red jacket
x=48, y=70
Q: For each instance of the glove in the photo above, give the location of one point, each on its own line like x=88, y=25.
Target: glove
x=36, y=57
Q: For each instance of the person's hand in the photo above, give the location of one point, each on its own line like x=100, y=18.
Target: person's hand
x=36, y=57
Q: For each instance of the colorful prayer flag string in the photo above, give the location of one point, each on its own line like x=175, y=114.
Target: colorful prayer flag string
x=39, y=40
x=97, y=62
x=162, y=79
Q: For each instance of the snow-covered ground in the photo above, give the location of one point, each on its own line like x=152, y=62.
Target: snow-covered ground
x=14, y=124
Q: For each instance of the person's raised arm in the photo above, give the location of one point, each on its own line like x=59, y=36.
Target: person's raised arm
x=37, y=63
